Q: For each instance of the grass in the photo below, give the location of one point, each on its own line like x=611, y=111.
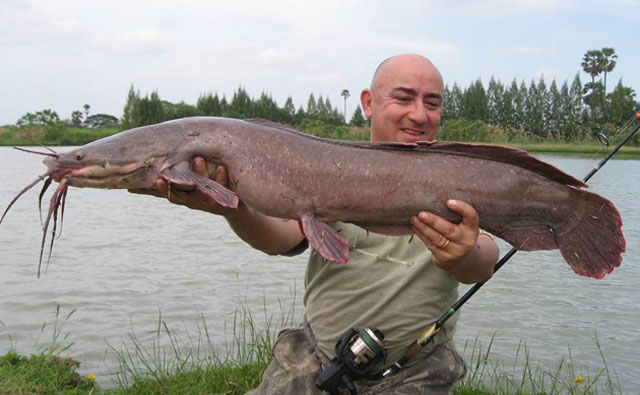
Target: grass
x=193, y=364
x=489, y=376
x=47, y=371
x=51, y=136
x=576, y=149
x=41, y=374
x=174, y=365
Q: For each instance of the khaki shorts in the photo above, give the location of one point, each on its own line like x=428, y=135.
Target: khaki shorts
x=296, y=365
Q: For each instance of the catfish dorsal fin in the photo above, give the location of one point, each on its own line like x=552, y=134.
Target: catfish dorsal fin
x=501, y=153
x=272, y=124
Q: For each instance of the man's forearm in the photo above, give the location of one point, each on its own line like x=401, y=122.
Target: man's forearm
x=478, y=264
x=268, y=234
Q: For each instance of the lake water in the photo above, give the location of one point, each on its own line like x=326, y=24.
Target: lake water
x=123, y=259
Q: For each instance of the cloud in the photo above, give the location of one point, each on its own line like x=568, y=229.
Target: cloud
x=24, y=4
x=276, y=55
x=141, y=41
x=324, y=78
x=492, y=8
x=433, y=48
x=66, y=28
x=548, y=74
x=525, y=51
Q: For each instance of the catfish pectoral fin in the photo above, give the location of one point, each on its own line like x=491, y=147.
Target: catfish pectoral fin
x=325, y=239
x=181, y=174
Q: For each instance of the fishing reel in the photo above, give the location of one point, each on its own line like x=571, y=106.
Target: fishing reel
x=357, y=351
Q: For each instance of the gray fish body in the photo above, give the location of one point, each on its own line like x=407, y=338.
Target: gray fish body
x=378, y=186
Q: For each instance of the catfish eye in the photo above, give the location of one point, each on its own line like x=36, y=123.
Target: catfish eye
x=79, y=156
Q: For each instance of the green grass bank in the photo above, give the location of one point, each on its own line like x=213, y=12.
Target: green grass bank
x=52, y=374
x=193, y=364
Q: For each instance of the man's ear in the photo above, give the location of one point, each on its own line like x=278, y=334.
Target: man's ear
x=366, y=97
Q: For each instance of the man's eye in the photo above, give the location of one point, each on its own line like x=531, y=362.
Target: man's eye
x=403, y=98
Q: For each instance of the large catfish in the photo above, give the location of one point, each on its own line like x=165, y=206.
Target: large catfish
x=378, y=186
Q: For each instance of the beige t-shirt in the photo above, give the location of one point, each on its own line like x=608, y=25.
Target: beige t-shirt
x=389, y=283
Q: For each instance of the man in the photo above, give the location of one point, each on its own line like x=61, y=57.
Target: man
x=398, y=284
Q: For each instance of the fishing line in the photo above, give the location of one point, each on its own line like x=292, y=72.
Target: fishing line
x=605, y=141
x=430, y=331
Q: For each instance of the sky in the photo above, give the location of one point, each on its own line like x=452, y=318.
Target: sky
x=63, y=54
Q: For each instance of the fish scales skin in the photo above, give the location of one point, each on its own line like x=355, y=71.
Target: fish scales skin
x=379, y=186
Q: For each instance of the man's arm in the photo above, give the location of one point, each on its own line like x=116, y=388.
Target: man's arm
x=268, y=234
x=459, y=249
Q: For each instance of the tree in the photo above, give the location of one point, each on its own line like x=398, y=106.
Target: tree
x=592, y=63
x=345, y=93
x=76, y=118
x=452, y=102
x=553, y=113
x=607, y=63
x=594, y=97
x=101, y=121
x=209, y=105
x=321, y=109
x=266, y=108
x=519, y=104
x=45, y=117
x=542, y=104
x=241, y=104
x=495, y=95
x=358, y=119
x=131, y=115
x=474, y=102
x=290, y=108
x=86, y=110
x=534, y=112
x=621, y=104
x=179, y=110
x=312, y=106
x=506, y=110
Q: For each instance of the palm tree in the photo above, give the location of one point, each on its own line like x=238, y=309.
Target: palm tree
x=607, y=63
x=345, y=93
x=591, y=63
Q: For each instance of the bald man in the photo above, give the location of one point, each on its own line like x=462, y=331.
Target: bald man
x=398, y=284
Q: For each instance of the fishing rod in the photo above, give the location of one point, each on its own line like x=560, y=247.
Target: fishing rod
x=430, y=331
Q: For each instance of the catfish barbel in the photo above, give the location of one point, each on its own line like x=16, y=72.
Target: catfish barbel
x=283, y=173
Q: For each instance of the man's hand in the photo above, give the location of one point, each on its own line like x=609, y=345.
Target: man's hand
x=458, y=249
x=191, y=197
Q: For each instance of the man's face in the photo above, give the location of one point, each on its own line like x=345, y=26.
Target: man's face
x=405, y=101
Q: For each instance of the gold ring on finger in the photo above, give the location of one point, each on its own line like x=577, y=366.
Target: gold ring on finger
x=446, y=244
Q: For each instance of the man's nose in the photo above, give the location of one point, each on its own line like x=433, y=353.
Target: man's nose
x=418, y=113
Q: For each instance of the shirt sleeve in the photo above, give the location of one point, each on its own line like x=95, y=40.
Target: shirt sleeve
x=297, y=250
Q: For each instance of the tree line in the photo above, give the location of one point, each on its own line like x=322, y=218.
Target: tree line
x=567, y=112
x=150, y=109
x=538, y=109
x=572, y=111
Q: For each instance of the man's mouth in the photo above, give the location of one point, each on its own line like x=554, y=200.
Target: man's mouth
x=413, y=132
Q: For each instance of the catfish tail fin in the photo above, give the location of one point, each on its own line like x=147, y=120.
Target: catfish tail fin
x=592, y=241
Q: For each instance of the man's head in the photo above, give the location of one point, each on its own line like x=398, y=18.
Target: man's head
x=404, y=102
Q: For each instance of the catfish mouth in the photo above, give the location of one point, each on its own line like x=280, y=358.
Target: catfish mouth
x=105, y=176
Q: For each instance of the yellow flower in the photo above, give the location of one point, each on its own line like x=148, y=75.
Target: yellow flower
x=92, y=377
x=579, y=379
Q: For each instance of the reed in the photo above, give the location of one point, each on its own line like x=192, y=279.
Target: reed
x=191, y=363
